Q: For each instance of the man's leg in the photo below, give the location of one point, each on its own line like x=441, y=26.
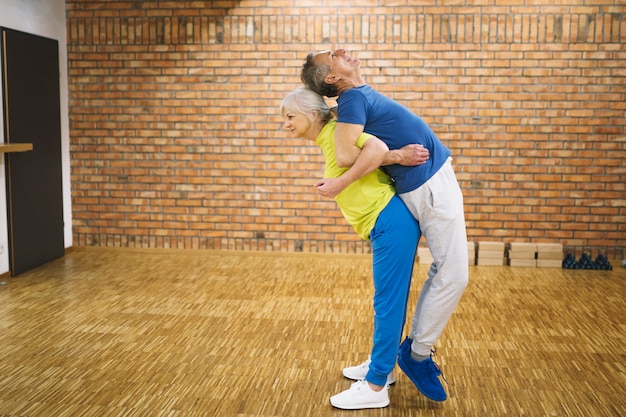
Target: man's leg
x=438, y=206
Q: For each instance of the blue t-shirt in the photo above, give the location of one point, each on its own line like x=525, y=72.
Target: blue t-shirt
x=397, y=126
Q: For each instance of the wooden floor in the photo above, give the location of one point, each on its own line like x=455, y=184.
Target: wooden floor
x=106, y=332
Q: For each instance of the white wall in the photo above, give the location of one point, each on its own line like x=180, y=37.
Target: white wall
x=44, y=18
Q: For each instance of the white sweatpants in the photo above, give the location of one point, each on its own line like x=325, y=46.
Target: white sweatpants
x=438, y=206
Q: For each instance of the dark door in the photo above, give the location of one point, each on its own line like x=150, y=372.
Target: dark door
x=31, y=104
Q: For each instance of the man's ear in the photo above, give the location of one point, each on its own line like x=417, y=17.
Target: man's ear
x=331, y=79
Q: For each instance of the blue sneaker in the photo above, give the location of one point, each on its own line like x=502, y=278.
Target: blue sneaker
x=424, y=374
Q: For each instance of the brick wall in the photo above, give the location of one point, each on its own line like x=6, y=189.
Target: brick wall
x=176, y=139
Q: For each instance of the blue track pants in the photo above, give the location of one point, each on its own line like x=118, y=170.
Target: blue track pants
x=394, y=245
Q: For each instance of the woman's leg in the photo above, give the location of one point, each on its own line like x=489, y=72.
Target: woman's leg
x=394, y=244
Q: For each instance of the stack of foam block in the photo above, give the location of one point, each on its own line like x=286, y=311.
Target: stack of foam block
x=549, y=255
x=490, y=253
x=522, y=254
x=423, y=253
x=471, y=253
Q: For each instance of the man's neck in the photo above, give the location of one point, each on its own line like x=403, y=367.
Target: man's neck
x=357, y=81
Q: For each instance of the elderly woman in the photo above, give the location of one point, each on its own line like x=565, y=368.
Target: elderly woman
x=369, y=203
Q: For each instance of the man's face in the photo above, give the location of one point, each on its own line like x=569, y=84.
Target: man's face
x=341, y=64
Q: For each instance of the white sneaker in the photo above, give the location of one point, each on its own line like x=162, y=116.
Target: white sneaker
x=360, y=396
x=358, y=372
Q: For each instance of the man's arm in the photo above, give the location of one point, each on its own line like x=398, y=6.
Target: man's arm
x=347, y=152
x=409, y=155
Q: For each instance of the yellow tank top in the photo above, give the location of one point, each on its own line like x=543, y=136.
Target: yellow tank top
x=362, y=201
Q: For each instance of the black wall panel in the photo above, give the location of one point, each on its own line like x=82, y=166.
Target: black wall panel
x=31, y=105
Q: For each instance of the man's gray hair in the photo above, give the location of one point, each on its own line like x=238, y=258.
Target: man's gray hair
x=313, y=77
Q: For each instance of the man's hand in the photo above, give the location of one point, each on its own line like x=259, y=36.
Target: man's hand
x=409, y=155
x=329, y=187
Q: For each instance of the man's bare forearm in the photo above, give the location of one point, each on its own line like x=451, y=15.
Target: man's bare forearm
x=409, y=155
x=391, y=157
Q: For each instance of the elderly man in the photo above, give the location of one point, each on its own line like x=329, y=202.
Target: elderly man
x=430, y=191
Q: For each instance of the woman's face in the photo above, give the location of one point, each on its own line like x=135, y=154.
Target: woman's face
x=297, y=124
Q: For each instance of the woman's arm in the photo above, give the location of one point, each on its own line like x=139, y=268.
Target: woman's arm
x=370, y=158
x=347, y=152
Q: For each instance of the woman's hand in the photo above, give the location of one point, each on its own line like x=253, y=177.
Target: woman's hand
x=329, y=187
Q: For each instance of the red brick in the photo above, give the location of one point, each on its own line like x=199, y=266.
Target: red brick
x=176, y=140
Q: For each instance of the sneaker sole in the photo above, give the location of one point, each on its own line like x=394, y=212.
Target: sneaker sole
x=361, y=406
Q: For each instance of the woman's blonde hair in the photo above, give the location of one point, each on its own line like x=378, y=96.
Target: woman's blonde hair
x=306, y=101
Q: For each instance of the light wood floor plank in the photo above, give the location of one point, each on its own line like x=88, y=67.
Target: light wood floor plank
x=110, y=332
